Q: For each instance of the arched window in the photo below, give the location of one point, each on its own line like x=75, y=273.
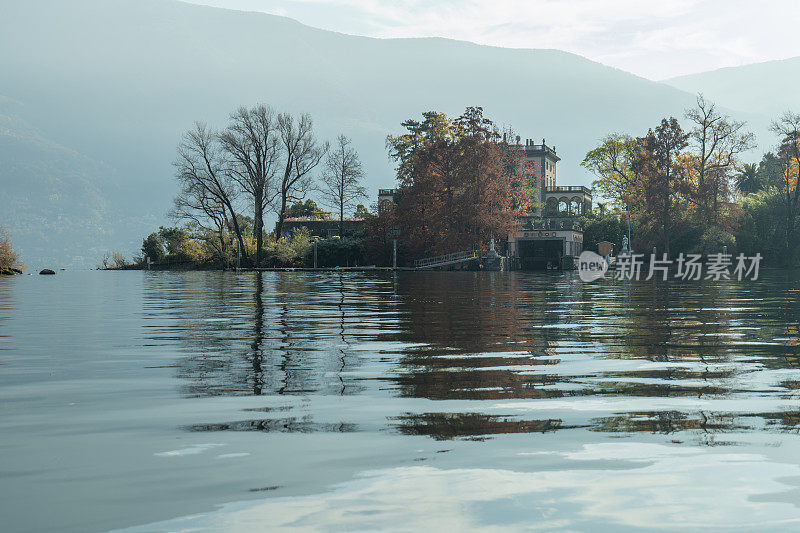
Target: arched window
x=576, y=206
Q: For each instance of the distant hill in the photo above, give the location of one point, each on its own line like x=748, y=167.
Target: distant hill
x=51, y=201
x=115, y=82
x=766, y=89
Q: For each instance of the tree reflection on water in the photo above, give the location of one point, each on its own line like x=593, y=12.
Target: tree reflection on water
x=483, y=337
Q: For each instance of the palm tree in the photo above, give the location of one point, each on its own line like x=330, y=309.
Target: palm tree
x=747, y=181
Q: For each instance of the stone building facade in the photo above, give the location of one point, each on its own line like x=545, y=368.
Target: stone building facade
x=551, y=235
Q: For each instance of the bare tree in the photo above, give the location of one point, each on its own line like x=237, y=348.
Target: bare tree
x=251, y=142
x=200, y=169
x=301, y=153
x=787, y=127
x=200, y=209
x=718, y=141
x=341, y=179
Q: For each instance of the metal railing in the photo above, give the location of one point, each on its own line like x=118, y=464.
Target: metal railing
x=554, y=223
x=539, y=147
x=568, y=188
x=447, y=259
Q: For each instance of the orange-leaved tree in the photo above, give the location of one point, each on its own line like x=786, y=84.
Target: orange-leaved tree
x=459, y=183
x=788, y=128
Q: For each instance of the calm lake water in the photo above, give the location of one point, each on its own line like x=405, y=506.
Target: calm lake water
x=215, y=401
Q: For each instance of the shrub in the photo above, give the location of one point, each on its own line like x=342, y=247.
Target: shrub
x=603, y=227
x=290, y=251
x=347, y=251
x=712, y=241
x=119, y=260
x=8, y=258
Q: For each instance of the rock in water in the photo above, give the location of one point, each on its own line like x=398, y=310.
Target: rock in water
x=47, y=272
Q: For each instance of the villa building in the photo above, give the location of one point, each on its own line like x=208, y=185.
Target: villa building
x=386, y=200
x=551, y=235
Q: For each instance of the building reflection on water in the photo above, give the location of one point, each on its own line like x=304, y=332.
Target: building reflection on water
x=483, y=337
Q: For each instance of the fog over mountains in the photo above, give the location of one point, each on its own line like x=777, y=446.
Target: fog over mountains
x=96, y=93
x=766, y=89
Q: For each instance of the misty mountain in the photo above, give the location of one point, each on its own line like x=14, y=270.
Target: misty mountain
x=116, y=82
x=51, y=200
x=767, y=89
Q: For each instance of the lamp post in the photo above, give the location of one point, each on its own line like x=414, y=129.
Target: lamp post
x=628, y=211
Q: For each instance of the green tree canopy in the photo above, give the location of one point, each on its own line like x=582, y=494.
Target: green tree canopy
x=153, y=247
x=361, y=212
x=309, y=208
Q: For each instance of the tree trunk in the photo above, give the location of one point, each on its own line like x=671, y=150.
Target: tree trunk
x=221, y=233
x=237, y=230
x=281, y=216
x=667, y=206
x=258, y=227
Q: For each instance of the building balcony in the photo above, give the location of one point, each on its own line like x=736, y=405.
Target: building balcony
x=540, y=149
x=569, y=189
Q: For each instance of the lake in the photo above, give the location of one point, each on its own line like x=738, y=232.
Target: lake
x=194, y=401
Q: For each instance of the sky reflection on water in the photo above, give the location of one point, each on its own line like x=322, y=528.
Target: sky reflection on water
x=472, y=399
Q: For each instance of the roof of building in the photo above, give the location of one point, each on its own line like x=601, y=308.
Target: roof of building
x=311, y=219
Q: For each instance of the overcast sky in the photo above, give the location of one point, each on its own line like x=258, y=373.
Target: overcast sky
x=654, y=39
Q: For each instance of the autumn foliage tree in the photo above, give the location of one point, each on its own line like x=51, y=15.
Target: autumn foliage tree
x=459, y=183
x=661, y=170
x=615, y=164
x=678, y=186
x=8, y=259
x=716, y=141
